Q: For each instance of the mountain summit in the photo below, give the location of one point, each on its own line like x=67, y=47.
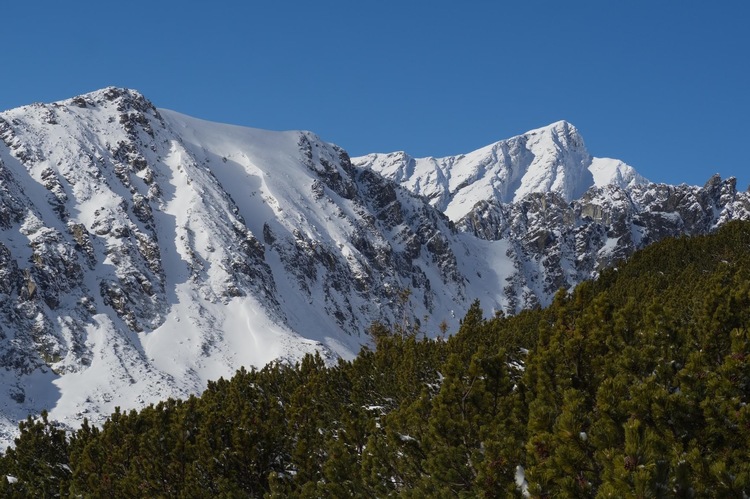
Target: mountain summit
x=548, y=159
x=144, y=253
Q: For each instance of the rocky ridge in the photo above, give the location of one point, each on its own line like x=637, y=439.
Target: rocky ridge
x=549, y=159
x=556, y=243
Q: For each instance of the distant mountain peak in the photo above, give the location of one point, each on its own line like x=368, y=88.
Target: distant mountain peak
x=109, y=94
x=552, y=158
x=559, y=128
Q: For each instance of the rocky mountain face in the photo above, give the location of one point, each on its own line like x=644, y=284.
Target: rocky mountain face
x=556, y=243
x=143, y=252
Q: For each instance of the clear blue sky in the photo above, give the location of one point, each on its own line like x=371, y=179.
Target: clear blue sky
x=663, y=85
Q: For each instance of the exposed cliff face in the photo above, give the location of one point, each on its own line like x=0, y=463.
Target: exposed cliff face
x=143, y=252
x=557, y=244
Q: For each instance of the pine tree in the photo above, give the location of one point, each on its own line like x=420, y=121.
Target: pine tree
x=38, y=463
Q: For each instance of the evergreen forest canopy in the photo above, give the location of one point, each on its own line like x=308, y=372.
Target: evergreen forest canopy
x=635, y=385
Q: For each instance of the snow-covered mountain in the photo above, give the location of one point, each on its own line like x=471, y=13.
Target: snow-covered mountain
x=549, y=159
x=144, y=252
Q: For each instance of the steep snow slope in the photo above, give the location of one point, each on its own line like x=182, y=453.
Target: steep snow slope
x=122, y=289
x=548, y=159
